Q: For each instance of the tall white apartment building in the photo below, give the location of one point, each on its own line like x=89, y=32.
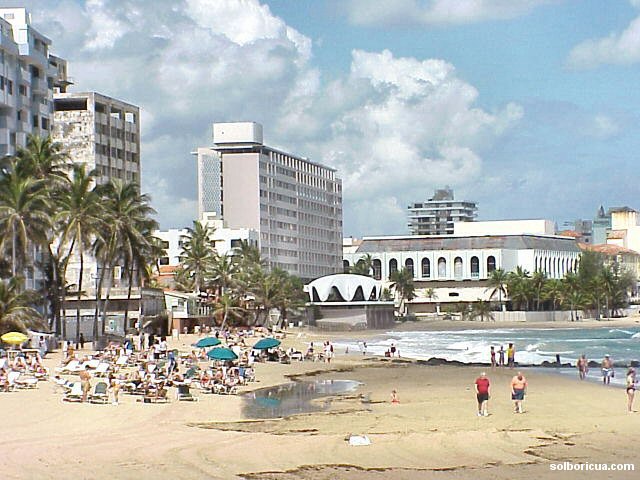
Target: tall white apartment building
x=295, y=204
x=101, y=132
x=29, y=75
x=437, y=215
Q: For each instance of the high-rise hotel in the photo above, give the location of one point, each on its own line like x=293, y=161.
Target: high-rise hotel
x=294, y=203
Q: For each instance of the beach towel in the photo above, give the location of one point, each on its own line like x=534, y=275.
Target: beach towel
x=357, y=440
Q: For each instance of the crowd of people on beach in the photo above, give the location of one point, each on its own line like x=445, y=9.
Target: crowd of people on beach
x=608, y=372
x=499, y=361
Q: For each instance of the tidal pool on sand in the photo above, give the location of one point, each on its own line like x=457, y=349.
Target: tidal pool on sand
x=292, y=398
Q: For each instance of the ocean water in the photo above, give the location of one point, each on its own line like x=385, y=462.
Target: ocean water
x=533, y=346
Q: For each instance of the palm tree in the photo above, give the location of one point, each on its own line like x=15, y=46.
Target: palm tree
x=537, y=282
x=364, y=266
x=23, y=215
x=519, y=287
x=42, y=158
x=223, y=272
x=16, y=312
x=482, y=309
x=402, y=284
x=198, y=252
x=183, y=280
x=498, y=282
x=552, y=291
x=227, y=305
x=125, y=210
x=80, y=215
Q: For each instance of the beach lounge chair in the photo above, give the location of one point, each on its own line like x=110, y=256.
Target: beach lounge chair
x=24, y=381
x=102, y=369
x=122, y=361
x=12, y=378
x=157, y=396
x=74, y=394
x=92, y=364
x=72, y=367
x=183, y=393
x=100, y=393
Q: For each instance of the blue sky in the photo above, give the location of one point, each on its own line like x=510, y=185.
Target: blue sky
x=529, y=108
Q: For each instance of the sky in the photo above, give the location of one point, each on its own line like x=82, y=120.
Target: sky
x=528, y=107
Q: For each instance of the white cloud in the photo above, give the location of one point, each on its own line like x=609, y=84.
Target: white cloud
x=621, y=48
x=437, y=12
x=394, y=127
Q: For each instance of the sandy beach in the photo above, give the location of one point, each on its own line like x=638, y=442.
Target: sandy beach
x=432, y=433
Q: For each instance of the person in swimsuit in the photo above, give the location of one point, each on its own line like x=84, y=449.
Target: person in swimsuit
x=631, y=387
x=511, y=356
x=583, y=366
x=493, y=358
x=607, y=370
x=518, y=388
x=501, y=356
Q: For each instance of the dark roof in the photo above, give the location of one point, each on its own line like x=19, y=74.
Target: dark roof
x=509, y=242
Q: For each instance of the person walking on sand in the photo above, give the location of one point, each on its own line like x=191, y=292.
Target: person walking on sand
x=501, y=356
x=518, y=389
x=493, y=358
x=631, y=387
x=394, y=397
x=607, y=370
x=583, y=366
x=85, y=382
x=511, y=356
x=482, y=385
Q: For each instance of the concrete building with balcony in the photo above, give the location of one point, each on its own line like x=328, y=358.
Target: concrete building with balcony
x=29, y=76
x=457, y=268
x=294, y=203
x=438, y=215
x=100, y=132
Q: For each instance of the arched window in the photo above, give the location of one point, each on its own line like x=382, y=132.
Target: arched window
x=475, y=267
x=345, y=266
x=457, y=268
x=442, y=267
x=408, y=264
x=426, y=268
x=377, y=268
x=393, y=266
x=491, y=263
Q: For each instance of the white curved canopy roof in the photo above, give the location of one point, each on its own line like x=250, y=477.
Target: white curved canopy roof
x=346, y=284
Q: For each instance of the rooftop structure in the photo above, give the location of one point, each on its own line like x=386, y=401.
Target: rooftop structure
x=437, y=215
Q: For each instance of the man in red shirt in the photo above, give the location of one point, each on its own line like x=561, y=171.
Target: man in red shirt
x=482, y=394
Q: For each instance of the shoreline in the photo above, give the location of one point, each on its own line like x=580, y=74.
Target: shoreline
x=428, y=432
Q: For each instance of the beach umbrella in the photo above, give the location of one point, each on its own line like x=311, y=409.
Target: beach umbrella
x=208, y=342
x=14, y=338
x=266, y=343
x=222, y=353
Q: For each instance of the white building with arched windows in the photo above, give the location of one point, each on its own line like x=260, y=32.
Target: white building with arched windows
x=457, y=267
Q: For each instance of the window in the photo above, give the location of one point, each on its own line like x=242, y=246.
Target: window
x=164, y=260
x=426, y=268
x=408, y=264
x=393, y=266
x=165, y=244
x=377, y=269
x=236, y=243
x=457, y=267
x=475, y=267
x=442, y=267
x=23, y=90
x=491, y=263
x=345, y=266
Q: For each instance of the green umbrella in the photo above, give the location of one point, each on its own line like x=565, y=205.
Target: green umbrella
x=208, y=342
x=222, y=353
x=266, y=343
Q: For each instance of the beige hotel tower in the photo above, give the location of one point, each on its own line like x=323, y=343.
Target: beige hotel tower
x=295, y=204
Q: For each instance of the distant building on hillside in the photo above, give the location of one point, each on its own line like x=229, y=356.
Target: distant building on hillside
x=601, y=224
x=294, y=203
x=437, y=215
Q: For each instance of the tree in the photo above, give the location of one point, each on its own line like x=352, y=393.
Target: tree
x=498, y=283
x=16, y=312
x=79, y=216
x=519, y=287
x=482, y=309
x=537, y=283
x=364, y=266
x=227, y=305
x=198, y=253
x=24, y=214
x=552, y=292
x=403, y=286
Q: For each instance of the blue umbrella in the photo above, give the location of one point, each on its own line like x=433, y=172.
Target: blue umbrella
x=208, y=342
x=222, y=353
x=266, y=343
